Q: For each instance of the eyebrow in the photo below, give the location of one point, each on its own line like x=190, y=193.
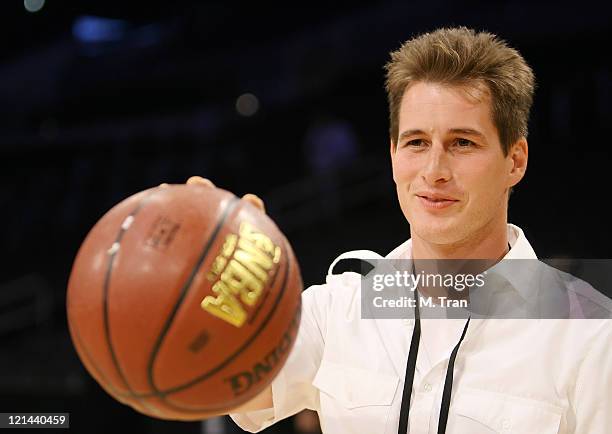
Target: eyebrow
x=466, y=131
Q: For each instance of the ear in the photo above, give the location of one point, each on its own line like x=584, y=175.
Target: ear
x=517, y=155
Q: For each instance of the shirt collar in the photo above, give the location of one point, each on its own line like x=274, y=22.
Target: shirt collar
x=520, y=248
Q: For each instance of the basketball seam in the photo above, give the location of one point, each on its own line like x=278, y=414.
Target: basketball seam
x=195, y=381
x=82, y=346
x=185, y=289
x=236, y=353
x=106, y=291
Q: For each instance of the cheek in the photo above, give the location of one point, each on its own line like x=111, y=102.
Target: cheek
x=404, y=170
x=489, y=181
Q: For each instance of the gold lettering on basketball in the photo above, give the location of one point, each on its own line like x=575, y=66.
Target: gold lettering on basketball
x=229, y=245
x=225, y=305
x=221, y=260
x=240, y=272
x=242, y=282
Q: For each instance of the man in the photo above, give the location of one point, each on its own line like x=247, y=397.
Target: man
x=459, y=104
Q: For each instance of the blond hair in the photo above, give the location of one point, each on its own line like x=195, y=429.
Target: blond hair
x=461, y=56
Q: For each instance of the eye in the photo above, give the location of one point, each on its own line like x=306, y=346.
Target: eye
x=416, y=143
x=464, y=143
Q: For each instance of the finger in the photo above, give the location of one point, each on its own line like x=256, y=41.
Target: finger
x=198, y=180
x=255, y=200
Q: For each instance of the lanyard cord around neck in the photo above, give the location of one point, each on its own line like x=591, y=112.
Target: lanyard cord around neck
x=411, y=368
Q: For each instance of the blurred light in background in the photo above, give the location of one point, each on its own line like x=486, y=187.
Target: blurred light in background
x=33, y=5
x=90, y=29
x=247, y=104
x=330, y=143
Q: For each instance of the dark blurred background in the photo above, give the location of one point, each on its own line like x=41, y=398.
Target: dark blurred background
x=102, y=99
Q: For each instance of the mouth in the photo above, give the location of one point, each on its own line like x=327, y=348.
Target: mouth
x=433, y=201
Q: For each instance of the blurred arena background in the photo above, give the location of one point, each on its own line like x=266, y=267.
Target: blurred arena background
x=101, y=99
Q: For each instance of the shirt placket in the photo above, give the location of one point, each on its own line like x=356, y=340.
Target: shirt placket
x=424, y=410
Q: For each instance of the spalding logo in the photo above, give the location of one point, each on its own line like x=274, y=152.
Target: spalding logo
x=243, y=381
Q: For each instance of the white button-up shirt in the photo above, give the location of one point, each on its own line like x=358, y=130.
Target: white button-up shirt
x=511, y=375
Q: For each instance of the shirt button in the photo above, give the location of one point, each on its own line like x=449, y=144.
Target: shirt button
x=505, y=424
x=406, y=322
x=427, y=387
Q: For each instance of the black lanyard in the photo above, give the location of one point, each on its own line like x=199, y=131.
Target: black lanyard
x=411, y=368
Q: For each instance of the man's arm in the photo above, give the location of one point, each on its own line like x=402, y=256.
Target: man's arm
x=260, y=402
x=292, y=390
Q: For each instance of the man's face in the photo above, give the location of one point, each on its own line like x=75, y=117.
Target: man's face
x=449, y=168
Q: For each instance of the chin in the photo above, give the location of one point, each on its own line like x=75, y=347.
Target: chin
x=437, y=231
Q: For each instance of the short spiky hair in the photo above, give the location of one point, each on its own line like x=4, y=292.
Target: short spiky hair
x=461, y=56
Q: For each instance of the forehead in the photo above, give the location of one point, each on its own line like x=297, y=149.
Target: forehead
x=434, y=106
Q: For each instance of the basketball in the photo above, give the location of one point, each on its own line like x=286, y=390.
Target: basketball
x=184, y=301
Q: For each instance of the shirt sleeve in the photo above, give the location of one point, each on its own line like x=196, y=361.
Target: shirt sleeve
x=292, y=389
x=592, y=401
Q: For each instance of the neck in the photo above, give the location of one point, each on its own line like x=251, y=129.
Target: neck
x=491, y=242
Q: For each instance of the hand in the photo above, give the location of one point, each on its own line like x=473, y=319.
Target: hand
x=251, y=198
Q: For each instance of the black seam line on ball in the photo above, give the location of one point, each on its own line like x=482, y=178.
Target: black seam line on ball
x=107, y=277
x=226, y=212
x=244, y=346
x=87, y=355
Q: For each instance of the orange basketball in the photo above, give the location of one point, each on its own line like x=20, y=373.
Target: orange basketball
x=184, y=301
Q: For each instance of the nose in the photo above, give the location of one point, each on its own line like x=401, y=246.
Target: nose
x=437, y=168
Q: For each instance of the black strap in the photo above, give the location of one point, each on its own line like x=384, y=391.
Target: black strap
x=448, y=384
x=411, y=368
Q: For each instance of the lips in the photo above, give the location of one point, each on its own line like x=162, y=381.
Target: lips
x=436, y=200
